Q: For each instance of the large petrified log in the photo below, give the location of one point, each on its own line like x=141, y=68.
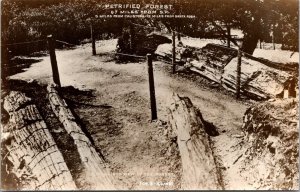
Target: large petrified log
x=199, y=168
x=211, y=60
x=257, y=79
x=164, y=51
x=260, y=78
x=96, y=172
x=36, y=159
x=272, y=136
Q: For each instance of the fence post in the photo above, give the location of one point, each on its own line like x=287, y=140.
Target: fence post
x=273, y=38
x=51, y=47
x=173, y=52
x=228, y=35
x=151, y=88
x=238, y=76
x=179, y=37
x=260, y=44
x=93, y=40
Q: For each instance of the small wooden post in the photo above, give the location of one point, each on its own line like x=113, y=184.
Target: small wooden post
x=173, y=52
x=260, y=44
x=51, y=47
x=292, y=88
x=93, y=40
x=179, y=37
x=238, y=76
x=228, y=35
x=131, y=38
x=273, y=39
x=152, y=88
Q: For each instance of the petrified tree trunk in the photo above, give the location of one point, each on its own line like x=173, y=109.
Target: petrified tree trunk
x=94, y=164
x=33, y=152
x=199, y=168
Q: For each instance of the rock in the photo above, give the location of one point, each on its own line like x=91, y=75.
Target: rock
x=274, y=144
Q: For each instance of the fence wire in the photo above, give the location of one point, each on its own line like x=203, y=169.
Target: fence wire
x=130, y=55
x=22, y=43
x=66, y=43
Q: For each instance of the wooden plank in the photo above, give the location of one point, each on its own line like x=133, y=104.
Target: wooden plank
x=198, y=166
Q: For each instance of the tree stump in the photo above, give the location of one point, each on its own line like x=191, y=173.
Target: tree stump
x=94, y=165
x=198, y=164
x=31, y=148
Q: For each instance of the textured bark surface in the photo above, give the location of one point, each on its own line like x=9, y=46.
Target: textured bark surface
x=96, y=172
x=198, y=164
x=37, y=161
x=257, y=79
x=260, y=78
x=211, y=61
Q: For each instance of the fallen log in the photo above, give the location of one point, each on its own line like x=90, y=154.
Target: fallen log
x=96, y=172
x=211, y=60
x=36, y=159
x=164, y=51
x=198, y=164
x=257, y=79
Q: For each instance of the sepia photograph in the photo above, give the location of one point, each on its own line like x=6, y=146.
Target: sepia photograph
x=149, y=95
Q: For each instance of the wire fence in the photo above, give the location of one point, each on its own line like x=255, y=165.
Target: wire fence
x=65, y=43
x=22, y=43
x=124, y=54
x=131, y=55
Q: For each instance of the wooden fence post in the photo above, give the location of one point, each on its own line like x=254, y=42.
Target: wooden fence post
x=238, y=76
x=151, y=88
x=260, y=44
x=228, y=35
x=93, y=40
x=173, y=52
x=273, y=38
x=51, y=47
x=179, y=37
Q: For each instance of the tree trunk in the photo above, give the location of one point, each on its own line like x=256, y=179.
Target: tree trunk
x=32, y=150
x=94, y=165
x=198, y=164
x=250, y=43
x=251, y=37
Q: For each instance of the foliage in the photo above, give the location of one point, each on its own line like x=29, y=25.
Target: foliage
x=69, y=20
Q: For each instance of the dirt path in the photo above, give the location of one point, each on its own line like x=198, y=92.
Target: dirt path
x=117, y=117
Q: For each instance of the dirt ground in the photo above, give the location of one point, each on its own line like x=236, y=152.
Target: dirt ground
x=116, y=114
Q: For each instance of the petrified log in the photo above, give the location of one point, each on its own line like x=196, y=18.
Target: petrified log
x=211, y=60
x=199, y=168
x=96, y=172
x=164, y=51
x=257, y=79
x=260, y=78
x=36, y=159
